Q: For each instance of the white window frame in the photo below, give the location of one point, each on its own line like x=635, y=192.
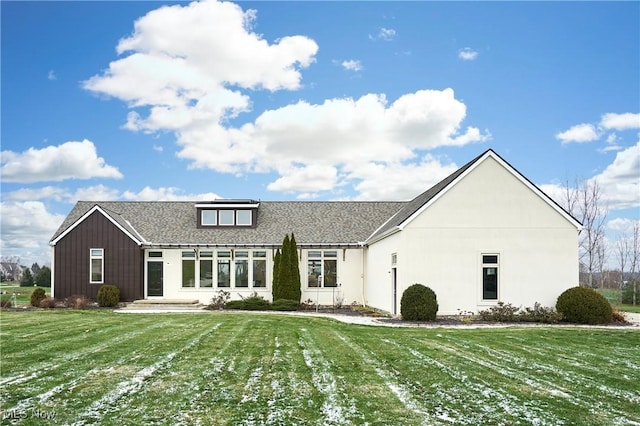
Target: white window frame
x=207, y=223
x=495, y=265
x=93, y=257
x=233, y=217
x=324, y=256
x=242, y=223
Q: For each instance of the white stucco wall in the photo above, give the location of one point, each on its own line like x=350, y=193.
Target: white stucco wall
x=490, y=211
x=349, y=273
x=378, y=288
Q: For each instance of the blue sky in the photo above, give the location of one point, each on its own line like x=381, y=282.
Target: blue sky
x=308, y=101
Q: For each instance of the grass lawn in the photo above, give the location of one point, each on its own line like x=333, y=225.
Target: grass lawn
x=613, y=295
x=99, y=367
x=23, y=294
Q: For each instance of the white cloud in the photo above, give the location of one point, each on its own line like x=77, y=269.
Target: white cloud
x=620, y=181
x=467, y=54
x=624, y=121
x=166, y=194
x=397, y=181
x=309, y=179
x=188, y=71
x=182, y=58
x=51, y=75
x=621, y=224
x=71, y=160
x=23, y=226
x=33, y=194
x=352, y=65
x=386, y=34
x=579, y=133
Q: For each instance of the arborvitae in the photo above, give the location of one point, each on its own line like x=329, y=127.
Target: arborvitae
x=285, y=269
x=276, y=288
x=295, y=291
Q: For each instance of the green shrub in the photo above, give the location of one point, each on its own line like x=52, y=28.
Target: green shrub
x=418, y=303
x=500, y=312
x=542, y=314
x=256, y=303
x=284, y=305
x=37, y=296
x=506, y=312
x=627, y=293
x=108, y=296
x=48, y=302
x=234, y=304
x=583, y=305
x=251, y=303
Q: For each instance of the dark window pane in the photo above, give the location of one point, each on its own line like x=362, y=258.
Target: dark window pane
x=330, y=278
x=242, y=273
x=206, y=273
x=491, y=259
x=188, y=273
x=259, y=273
x=224, y=267
x=490, y=283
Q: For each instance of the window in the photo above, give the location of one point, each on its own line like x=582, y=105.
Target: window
x=490, y=277
x=243, y=217
x=155, y=254
x=224, y=269
x=226, y=217
x=394, y=258
x=322, y=268
x=188, y=269
x=260, y=268
x=96, y=266
x=242, y=268
x=206, y=269
x=209, y=217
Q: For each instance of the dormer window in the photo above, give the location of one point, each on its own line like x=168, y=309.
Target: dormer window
x=227, y=213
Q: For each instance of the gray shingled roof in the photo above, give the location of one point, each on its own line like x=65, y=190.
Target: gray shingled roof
x=169, y=222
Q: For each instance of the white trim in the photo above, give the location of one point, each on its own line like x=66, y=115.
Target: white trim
x=97, y=208
x=93, y=257
x=227, y=206
x=507, y=167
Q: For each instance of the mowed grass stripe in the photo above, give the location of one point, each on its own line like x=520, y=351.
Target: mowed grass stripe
x=241, y=368
x=559, y=391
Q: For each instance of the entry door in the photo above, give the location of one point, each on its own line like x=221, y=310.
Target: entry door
x=154, y=279
x=394, y=288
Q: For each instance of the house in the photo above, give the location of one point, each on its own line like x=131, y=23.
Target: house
x=11, y=271
x=483, y=234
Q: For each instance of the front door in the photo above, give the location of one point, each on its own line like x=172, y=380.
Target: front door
x=154, y=279
x=394, y=289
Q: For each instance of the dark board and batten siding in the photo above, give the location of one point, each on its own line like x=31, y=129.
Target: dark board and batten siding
x=123, y=260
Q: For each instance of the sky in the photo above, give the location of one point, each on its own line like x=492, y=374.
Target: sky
x=308, y=101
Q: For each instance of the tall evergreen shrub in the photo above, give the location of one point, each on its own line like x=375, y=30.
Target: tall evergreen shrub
x=296, y=292
x=276, y=286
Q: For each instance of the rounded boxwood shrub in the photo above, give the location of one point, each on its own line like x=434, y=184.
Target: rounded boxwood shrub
x=583, y=305
x=37, y=296
x=284, y=305
x=418, y=303
x=108, y=296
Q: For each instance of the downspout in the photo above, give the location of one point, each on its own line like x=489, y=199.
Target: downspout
x=362, y=282
x=53, y=270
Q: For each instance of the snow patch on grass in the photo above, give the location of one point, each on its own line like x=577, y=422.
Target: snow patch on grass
x=401, y=392
x=324, y=381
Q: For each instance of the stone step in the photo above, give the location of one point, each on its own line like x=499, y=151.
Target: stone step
x=168, y=305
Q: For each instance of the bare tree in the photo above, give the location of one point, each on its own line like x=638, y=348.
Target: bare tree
x=623, y=253
x=634, y=259
x=585, y=202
